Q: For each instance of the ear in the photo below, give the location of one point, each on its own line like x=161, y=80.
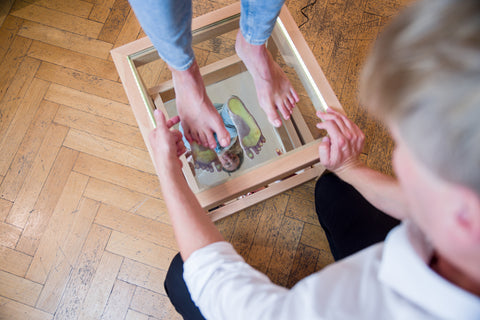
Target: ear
x=467, y=213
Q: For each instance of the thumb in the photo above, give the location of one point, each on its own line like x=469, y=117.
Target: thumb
x=160, y=119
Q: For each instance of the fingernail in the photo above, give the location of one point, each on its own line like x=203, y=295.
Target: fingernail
x=224, y=142
x=277, y=123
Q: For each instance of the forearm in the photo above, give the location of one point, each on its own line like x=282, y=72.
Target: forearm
x=193, y=228
x=381, y=190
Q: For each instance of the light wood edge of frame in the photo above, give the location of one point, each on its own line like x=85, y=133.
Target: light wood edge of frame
x=272, y=190
x=135, y=99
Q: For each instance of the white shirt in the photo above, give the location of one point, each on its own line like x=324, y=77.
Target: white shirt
x=391, y=280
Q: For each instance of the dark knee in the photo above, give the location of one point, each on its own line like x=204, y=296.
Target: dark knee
x=328, y=189
x=174, y=274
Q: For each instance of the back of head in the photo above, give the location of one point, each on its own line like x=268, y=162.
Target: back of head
x=424, y=76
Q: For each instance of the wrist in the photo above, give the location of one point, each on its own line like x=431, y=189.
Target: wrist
x=348, y=167
x=169, y=168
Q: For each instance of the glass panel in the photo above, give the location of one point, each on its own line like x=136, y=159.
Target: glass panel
x=225, y=76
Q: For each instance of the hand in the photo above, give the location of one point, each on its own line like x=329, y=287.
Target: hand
x=167, y=144
x=341, y=148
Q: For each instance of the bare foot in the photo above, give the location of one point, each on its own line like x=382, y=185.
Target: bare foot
x=274, y=90
x=199, y=117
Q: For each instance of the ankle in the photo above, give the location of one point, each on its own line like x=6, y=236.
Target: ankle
x=192, y=72
x=243, y=47
x=190, y=77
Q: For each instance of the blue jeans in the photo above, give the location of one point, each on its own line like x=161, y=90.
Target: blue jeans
x=168, y=24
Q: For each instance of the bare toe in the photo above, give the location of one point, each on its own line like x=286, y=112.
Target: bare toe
x=273, y=117
x=292, y=101
x=211, y=143
x=283, y=110
x=288, y=106
x=203, y=139
x=223, y=136
x=188, y=136
x=195, y=137
x=294, y=95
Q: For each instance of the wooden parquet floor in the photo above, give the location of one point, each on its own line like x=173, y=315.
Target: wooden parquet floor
x=83, y=229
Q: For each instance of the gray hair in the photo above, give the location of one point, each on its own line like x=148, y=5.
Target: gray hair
x=424, y=76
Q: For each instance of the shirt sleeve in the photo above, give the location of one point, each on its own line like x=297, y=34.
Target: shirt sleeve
x=224, y=286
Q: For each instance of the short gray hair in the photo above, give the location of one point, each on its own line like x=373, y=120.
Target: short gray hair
x=424, y=76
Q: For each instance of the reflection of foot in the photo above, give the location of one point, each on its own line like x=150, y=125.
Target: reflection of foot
x=199, y=117
x=249, y=133
x=204, y=158
x=274, y=90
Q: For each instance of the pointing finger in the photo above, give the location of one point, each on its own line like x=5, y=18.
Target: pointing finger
x=332, y=129
x=340, y=121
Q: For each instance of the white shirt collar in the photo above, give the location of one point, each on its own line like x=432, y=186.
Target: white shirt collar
x=405, y=256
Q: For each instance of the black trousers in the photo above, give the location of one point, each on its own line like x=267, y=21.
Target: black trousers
x=350, y=222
